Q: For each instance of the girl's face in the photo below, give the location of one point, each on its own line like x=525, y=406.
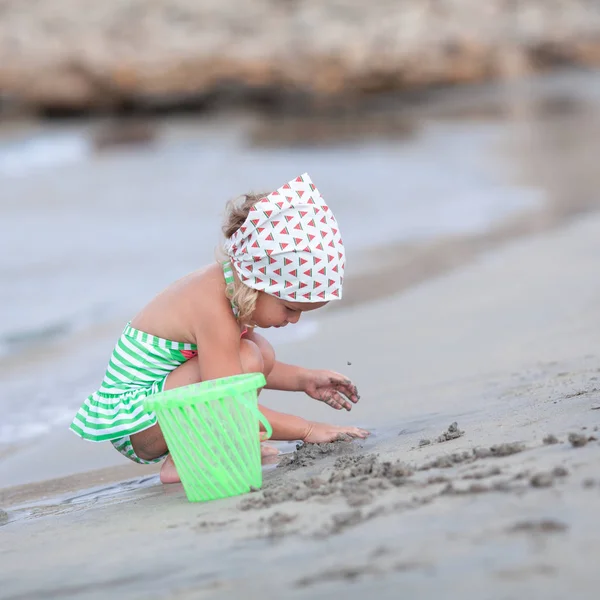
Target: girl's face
x=271, y=311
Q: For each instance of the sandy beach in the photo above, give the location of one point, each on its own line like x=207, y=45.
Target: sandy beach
x=506, y=347
x=475, y=350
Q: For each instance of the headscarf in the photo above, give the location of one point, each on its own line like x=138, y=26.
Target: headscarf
x=290, y=245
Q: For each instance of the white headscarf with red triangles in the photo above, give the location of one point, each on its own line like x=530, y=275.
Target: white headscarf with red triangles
x=290, y=245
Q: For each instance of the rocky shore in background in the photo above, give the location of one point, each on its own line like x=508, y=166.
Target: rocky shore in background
x=69, y=55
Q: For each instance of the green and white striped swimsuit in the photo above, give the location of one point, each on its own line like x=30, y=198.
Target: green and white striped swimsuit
x=138, y=367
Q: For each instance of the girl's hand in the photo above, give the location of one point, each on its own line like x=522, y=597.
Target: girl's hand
x=330, y=387
x=321, y=433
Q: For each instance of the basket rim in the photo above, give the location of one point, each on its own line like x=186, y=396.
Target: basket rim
x=205, y=391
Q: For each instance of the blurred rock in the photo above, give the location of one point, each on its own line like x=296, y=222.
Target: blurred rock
x=123, y=135
x=139, y=54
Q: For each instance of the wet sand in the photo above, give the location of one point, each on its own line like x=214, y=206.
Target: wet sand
x=505, y=346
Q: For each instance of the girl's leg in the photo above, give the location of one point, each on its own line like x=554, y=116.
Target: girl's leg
x=256, y=356
x=150, y=443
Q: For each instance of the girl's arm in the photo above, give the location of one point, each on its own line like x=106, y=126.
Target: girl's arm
x=289, y=427
x=217, y=337
x=286, y=427
x=283, y=377
x=327, y=386
x=287, y=378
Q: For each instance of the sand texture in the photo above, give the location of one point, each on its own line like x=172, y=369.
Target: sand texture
x=495, y=364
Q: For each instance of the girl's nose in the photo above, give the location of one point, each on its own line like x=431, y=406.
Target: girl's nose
x=294, y=318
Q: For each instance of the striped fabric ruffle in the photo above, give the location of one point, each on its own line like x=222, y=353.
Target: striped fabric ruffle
x=138, y=367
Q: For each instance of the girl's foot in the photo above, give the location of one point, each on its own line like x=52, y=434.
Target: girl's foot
x=266, y=451
x=168, y=472
x=320, y=433
x=268, y=454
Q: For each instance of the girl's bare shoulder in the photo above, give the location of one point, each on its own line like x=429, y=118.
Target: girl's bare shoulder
x=186, y=306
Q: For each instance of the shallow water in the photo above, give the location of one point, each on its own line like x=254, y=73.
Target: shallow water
x=92, y=235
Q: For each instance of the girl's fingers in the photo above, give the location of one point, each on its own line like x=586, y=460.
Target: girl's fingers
x=341, y=402
x=349, y=390
x=345, y=404
x=334, y=403
x=358, y=433
x=336, y=400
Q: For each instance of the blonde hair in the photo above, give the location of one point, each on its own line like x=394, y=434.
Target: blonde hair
x=240, y=295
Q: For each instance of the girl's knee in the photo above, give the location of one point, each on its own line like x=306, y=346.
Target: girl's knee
x=267, y=352
x=252, y=358
x=268, y=355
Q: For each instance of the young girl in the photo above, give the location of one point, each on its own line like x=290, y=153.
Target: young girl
x=284, y=257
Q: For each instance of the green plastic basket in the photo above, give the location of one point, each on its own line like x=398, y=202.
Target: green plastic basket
x=212, y=431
